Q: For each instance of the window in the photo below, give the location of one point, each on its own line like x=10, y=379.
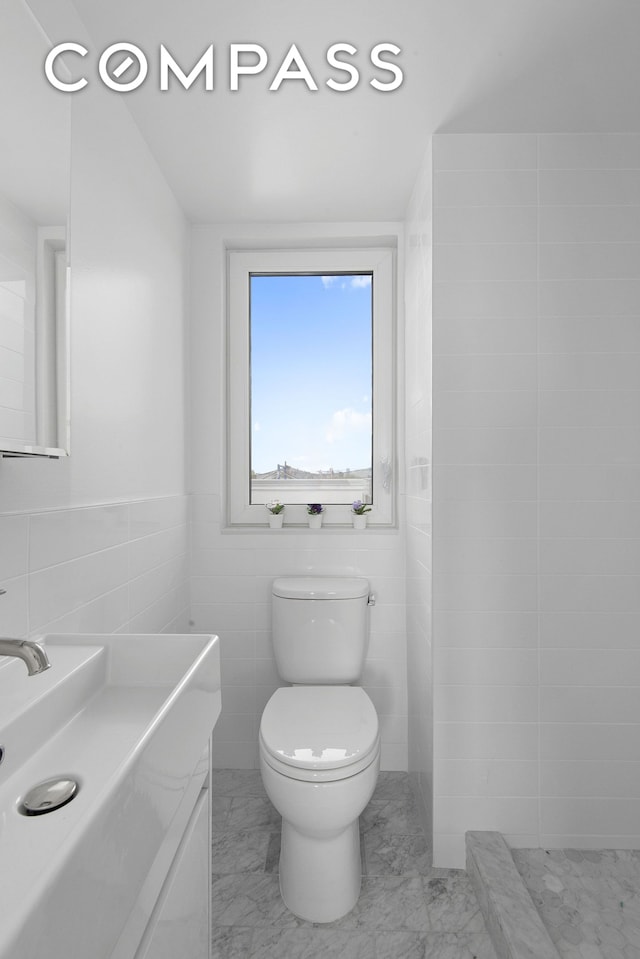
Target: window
x=310, y=383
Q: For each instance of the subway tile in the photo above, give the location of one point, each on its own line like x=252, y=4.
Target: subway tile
x=484, y=591
x=503, y=814
x=485, y=188
x=160, y=616
x=152, y=585
x=486, y=667
x=460, y=519
x=453, y=300
x=485, y=628
x=584, y=629
x=485, y=705
x=589, y=742
x=593, y=593
x=595, y=151
x=590, y=667
x=503, y=373
x=593, y=778
x=472, y=262
x=57, y=589
x=14, y=607
x=485, y=151
x=589, y=224
x=501, y=556
x=590, y=704
x=13, y=546
x=589, y=520
x=108, y=613
x=453, y=777
x=603, y=557
x=589, y=260
x=505, y=334
x=589, y=187
x=599, y=483
x=152, y=515
x=150, y=551
x=617, y=410
x=589, y=445
x=485, y=445
x=487, y=481
x=588, y=371
x=487, y=224
x=62, y=535
x=589, y=816
x=590, y=334
x=493, y=741
x=589, y=297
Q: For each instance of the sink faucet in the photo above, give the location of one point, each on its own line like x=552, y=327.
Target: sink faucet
x=33, y=655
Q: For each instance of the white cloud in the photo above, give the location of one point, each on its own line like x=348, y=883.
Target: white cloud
x=328, y=281
x=345, y=422
x=358, y=282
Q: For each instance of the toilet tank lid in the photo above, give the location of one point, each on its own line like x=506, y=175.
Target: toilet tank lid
x=320, y=587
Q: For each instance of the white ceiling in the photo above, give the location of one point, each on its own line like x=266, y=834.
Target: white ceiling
x=294, y=155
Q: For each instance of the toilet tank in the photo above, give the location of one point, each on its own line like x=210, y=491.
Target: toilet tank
x=320, y=628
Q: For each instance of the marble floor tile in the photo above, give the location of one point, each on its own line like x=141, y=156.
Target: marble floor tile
x=311, y=943
x=239, y=850
x=396, y=855
x=250, y=812
x=589, y=900
x=391, y=817
x=406, y=910
x=251, y=900
x=452, y=906
x=392, y=904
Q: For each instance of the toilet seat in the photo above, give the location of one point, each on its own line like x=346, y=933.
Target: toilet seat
x=319, y=733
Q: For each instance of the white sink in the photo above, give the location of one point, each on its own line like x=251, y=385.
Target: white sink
x=129, y=717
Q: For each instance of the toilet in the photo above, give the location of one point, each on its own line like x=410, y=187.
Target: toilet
x=320, y=741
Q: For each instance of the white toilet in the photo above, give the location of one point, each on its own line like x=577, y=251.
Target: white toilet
x=320, y=741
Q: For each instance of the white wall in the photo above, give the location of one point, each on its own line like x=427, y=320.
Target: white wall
x=99, y=540
x=417, y=392
x=536, y=466
x=233, y=569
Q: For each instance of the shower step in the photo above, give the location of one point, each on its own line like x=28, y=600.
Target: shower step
x=512, y=920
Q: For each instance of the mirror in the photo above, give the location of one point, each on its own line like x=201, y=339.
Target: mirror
x=35, y=140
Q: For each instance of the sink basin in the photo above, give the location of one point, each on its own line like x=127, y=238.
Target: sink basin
x=129, y=717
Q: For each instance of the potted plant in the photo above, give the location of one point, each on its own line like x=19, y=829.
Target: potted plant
x=276, y=513
x=315, y=511
x=359, y=512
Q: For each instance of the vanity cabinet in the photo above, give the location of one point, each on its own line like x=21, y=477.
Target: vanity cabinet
x=179, y=924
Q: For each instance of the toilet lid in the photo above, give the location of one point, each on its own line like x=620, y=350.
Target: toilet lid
x=319, y=727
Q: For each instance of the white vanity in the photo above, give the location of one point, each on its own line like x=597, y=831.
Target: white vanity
x=122, y=870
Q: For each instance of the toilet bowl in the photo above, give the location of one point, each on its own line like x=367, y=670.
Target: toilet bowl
x=319, y=759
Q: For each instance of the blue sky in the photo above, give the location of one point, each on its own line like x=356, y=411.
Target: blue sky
x=311, y=372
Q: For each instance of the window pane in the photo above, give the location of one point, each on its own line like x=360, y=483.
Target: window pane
x=311, y=387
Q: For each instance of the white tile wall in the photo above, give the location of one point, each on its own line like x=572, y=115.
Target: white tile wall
x=232, y=571
x=536, y=478
x=99, y=541
x=417, y=499
x=96, y=569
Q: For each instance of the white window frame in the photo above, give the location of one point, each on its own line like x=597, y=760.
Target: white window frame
x=241, y=263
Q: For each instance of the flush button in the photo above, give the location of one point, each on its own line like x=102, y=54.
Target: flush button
x=47, y=796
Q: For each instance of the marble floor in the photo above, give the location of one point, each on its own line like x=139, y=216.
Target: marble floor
x=589, y=901
x=406, y=910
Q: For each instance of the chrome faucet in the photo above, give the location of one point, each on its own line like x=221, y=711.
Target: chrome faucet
x=32, y=654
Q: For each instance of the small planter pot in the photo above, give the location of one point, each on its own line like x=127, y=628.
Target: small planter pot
x=359, y=520
x=276, y=520
x=315, y=520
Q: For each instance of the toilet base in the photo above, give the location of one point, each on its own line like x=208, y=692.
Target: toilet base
x=320, y=878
